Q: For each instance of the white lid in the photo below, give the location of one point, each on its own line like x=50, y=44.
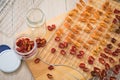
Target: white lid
x=9, y=61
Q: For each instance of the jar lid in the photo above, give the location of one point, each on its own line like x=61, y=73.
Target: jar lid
x=9, y=61
x=3, y=47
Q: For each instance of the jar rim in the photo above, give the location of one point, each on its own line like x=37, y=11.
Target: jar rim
x=35, y=22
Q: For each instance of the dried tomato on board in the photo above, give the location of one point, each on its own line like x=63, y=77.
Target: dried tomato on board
x=114, y=21
x=102, y=61
x=49, y=76
x=116, y=11
x=82, y=65
x=37, y=60
x=63, y=52
x=53, y=50
x=51, y=67
x=91, y=59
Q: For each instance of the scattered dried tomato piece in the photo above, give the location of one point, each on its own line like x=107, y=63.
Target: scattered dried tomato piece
x=63, y=52
x=97, y=70
x=109, y=46
x=51, y=67
x=49, y=76
x=108, y=51
x=74, y=48
x=103, y=73
x=53, y=50
x=117, y=50
x=114, y=21
x=118, y=44
x=80, y=55
x=57, y=38
x=117, y=31
x=86, y=69
x=103, y=55
x=82, y=65
x=53, y=26
x=49, y=28
x=40, y=42
x=111, y=60
x=118, y=17
x=116, y=69
x=93, y=73
x=102, y=61
x=107, y=66
x=37, y=60
x=115, y=53
x=113, y=78
x=113, y=40
x=43, y=42
x=116, y=11
x=73, y=52
x=61, y=45
x=91, y=59
x=65, y=44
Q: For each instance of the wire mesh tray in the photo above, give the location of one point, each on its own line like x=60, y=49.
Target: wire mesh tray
x=75, y=32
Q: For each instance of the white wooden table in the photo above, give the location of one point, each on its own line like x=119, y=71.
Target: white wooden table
x=51, y=8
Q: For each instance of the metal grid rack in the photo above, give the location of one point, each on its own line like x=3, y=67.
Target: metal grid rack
x=12, y=15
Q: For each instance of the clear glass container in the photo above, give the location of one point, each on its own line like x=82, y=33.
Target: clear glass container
x=25, y=55
x=36, y=22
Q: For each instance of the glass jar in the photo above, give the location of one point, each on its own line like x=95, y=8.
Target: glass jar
x=36, y=22
x=21, y=45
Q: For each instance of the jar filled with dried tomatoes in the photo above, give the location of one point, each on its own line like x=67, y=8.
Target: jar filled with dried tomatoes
x=25, y=46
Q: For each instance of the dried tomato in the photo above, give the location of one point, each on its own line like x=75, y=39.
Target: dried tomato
x=109, y=46
x=61, y=45
x=37, y=60
x=51, y=67
x=113, y=78
x=57, y=38
x=49, y=28
x=108, y=51
x=53, y=50
x=63, y=52
x=114, y=21
x=107, y=66
x=73, y=52
x=65, y=44
x=111, y=60
x=53, y=26
x=116, y=11
x=91, y=59
x=113, y=40
x=82, y=65
x=104, y=73
x=49, y=76
x=86, y=69
x=118, y=17
x=102, y=61
x=103, y=55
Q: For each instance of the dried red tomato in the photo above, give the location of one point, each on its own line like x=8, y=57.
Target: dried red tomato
x=37, y=60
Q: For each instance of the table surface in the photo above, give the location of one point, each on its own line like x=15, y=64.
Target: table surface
x=51, y=8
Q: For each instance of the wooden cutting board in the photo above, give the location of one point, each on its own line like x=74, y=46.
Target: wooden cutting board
x=40, y=70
